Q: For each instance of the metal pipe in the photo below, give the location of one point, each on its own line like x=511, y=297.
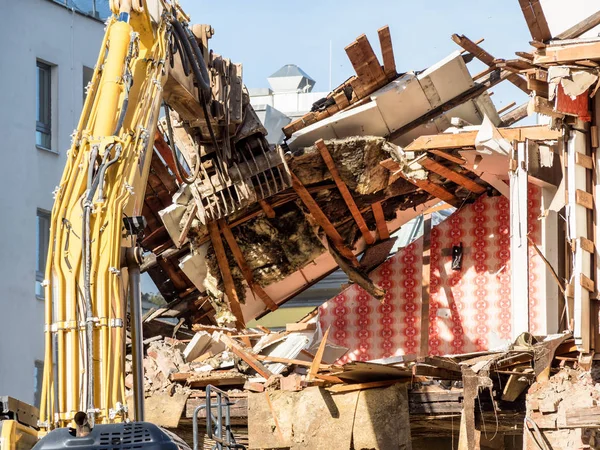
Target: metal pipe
x=133, y=259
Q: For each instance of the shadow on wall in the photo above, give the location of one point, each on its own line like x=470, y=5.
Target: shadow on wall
x=469, y=309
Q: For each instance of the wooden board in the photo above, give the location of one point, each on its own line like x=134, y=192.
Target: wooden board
x=449, y=157
x=346, y=195
x=366, y=65
x=382, y=228
x=451, y=175
x=559, y=54
x=435, y=190
x=487, y=59
x=387, y=52
x=580, y=28
x=314, y=366
x=238, y=350
x=232, y=297
x=584, y=199
x=584, y=160
x=322, y=219
x=467, y=139
x=536, y=21
x=246, y=271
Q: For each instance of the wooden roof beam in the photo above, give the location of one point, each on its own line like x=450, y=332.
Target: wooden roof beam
x=536, y=21
x=582, y=27
x=387, y=52
x=487, y=59
x=346, y=195
x=243, y=265
x=322, y=219
x=232, y=297
x=451, y=175
x=446, y=141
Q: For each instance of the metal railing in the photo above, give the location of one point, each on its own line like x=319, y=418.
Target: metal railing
x=216, y=429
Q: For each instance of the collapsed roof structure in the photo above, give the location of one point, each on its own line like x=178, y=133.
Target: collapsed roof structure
x=381, y=149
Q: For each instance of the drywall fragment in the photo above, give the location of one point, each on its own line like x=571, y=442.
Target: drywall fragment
x=489, y=140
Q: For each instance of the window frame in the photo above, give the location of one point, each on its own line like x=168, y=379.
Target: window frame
x=42, y=247
x=44, y=126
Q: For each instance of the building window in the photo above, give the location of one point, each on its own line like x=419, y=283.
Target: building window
x=43, y=236
x=38, y=378
x=87, y=79
x=100, y=9
x=43, y=127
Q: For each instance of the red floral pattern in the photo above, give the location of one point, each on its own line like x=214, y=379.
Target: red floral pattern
x=469, y=309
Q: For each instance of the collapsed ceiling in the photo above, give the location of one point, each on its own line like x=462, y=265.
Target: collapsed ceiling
x=259, y=224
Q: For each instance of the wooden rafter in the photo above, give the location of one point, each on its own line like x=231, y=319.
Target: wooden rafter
x=448, y=156
x=467, y=139
x=513, y=116
x=451, y=175
x=536, y=21
x=382, y=228
x=576, y=51
x=487, y=59
x=435, y=190
x=345, y=192
x=243, y=265
x=387, y=52
x=232, y=297
x=322, y=219
x=577, y=30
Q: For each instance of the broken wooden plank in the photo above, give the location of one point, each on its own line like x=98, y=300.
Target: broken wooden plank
x=582, y=27
x=289, y=361
x=232, y=297
x=250, y=359
x=586, y=283
x=435, y=190
x=577, y=51
x=449, y=157
x=435, y=372
x=382, y=228
x=506, y=108
x=345, y=192
x=515, y=115
x=243, y=265
x=365, y=63
x=451, y=175
x=586, y=245
x=584, y=199
x=467, y=138
x=291, y=327
x=536, y=21
x=363, y=386
x=322, y=219
x=387, y=52
x=487, y=59
x=267, y=209
x=314, y=367
x=584, y=160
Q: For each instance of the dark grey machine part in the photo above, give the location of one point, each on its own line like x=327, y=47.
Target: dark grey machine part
x=118, y=436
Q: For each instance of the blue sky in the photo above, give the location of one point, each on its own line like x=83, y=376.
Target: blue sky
x=266, y=34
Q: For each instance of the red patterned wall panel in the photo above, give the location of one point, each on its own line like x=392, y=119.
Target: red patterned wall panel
x=470, y=308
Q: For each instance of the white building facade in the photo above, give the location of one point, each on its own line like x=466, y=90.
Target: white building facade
x=48, y=50
x=289, y=96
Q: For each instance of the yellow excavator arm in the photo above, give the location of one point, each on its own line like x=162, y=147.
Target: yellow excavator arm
x=93, y=226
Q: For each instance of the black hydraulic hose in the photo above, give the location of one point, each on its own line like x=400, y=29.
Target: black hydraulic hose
x=198, y=67
x=173, y=149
